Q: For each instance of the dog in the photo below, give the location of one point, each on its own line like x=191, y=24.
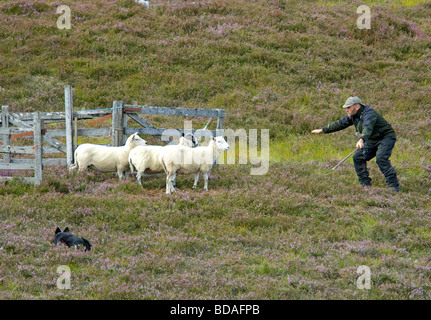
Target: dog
x=70, y=240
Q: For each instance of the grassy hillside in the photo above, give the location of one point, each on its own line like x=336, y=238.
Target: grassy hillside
x=282, y=65
x=278, y=236
x=298, y=232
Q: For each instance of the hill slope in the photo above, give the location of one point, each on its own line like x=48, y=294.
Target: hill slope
x=283, y=65
x=298, y=232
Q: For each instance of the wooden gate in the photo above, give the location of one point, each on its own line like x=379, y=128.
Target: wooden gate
x=19, y=125
x=10, y=130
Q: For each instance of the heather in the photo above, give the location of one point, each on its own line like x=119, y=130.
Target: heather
x=298, y=232
x=276, y=236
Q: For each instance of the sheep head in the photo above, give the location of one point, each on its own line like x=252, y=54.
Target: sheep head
x=134, y=140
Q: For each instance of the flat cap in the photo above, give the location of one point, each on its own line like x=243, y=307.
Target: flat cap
x=351, y=101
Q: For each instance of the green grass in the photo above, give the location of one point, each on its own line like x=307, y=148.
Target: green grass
x=394, y=3
x=277, y=233
x=297, y=232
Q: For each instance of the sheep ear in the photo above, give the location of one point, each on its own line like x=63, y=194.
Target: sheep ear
x=57, y=230
x=182, y=135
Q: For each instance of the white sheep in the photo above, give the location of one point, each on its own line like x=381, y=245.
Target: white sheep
x=145, y=159
x=144, y=2
x=105, y=158
x=179, y=160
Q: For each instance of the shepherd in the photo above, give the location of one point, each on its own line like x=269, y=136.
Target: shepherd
x=377, y=139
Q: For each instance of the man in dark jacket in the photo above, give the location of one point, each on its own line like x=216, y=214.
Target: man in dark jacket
x=377, y=139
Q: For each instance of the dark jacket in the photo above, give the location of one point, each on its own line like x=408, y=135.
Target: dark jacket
x=367, y=122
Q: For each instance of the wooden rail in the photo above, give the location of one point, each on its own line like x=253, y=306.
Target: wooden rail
x=31, y=125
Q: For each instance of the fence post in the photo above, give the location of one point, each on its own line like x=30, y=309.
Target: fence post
x=68, y=106
x=219, y=128
x=117, y=124
x=6, y=137
x=125, y=126
x=38, y=147
x=219, y=121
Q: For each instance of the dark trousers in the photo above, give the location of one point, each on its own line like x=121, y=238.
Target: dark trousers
x=382, y=150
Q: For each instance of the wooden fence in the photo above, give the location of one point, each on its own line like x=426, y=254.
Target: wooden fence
x=12, y=128
x=19, y=125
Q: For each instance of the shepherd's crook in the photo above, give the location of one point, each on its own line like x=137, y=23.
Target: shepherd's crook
x=345, y=159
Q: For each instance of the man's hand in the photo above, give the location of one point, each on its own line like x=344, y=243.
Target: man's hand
x=360, y=144
x=317, y=131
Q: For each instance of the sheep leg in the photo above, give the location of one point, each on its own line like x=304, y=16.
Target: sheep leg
x=206, y=181
x=139, y=178
x=174, y=181
x=195, y=184
x=73, y=167
x=169, y=187
x=173, y=177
